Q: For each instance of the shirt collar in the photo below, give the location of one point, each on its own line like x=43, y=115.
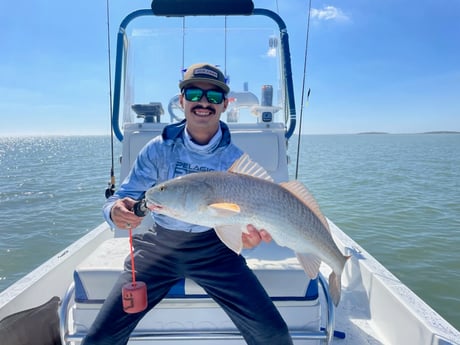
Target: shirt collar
x=209, y=147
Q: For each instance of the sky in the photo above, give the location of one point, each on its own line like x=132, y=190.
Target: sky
x=381, y=65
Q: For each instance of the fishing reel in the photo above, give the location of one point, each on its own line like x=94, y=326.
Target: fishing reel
x=140, y=208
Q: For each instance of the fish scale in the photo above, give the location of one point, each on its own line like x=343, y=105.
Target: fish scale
x=229, y=201
x=276, y=209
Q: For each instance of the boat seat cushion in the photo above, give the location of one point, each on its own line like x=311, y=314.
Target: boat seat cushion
x=276, y=267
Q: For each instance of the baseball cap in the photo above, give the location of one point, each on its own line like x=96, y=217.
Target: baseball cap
x=204, y=72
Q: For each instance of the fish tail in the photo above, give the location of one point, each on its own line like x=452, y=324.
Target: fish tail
x=335, y=284
x=335, y=287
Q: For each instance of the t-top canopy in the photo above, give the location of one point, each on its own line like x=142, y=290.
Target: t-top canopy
x=179, y=8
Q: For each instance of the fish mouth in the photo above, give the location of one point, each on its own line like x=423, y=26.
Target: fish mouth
x=154, y=207
x=160, y=209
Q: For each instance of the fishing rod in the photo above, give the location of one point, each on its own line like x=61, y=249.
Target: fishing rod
x=111, y=185
x=303, y=93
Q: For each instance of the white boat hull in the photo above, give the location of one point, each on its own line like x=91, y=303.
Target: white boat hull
x=376, y=308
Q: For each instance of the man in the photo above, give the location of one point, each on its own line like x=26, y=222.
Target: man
x=174, y=249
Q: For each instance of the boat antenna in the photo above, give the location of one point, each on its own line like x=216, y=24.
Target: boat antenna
x=183, y=44
x=225, y=49
x=111, y=185
x=303, y=93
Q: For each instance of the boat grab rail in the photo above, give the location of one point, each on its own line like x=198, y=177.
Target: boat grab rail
x=326, y=334
x=286, y=67
x=64, y=310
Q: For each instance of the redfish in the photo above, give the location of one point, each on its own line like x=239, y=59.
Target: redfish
x=245, y=194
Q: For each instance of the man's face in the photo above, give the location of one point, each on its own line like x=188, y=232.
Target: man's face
x=202, y=113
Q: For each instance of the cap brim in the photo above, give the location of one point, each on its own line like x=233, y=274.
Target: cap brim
x=217, y=83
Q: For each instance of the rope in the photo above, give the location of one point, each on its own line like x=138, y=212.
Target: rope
x=131, y=254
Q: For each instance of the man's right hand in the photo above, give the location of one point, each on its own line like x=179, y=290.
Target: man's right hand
x=122, y=214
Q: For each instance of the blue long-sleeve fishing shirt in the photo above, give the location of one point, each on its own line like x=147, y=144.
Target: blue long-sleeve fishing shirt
x=172, y=154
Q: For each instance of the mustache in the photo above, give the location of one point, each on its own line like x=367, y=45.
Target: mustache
x=211, y=109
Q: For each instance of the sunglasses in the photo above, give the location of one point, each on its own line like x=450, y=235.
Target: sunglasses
x=194, y=94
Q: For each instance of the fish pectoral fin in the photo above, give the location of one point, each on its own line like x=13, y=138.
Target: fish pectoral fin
x=230, y=235
x=224, y=209
x=310, y=264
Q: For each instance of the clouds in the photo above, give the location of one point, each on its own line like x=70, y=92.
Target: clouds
x=329, y=13
x=273, y=45
x=368, y=61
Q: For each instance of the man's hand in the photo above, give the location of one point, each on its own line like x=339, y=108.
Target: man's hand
x=122, y=214
x=254, y=237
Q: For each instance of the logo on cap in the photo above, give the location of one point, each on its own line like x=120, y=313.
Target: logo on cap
x=206, y=72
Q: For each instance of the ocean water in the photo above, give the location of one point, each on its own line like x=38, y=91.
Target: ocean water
x=397, y=195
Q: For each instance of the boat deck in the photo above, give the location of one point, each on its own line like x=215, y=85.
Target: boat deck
x=376, y=308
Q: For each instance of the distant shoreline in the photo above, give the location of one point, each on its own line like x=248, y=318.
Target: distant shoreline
x=441, y=132
x=56, y=135
x=431, y=132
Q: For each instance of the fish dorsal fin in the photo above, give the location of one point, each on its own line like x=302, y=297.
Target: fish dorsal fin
x=224, y=209
x=231, y=236
x=300, y=191
x=245, y=166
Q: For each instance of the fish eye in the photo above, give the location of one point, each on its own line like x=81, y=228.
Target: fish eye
x=162, y=188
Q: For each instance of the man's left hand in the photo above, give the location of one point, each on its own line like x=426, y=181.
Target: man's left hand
x=254, y=237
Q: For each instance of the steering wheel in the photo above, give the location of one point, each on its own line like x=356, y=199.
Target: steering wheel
x=175, y=110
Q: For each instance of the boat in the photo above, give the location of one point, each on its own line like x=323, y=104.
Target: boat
x=57, y=302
